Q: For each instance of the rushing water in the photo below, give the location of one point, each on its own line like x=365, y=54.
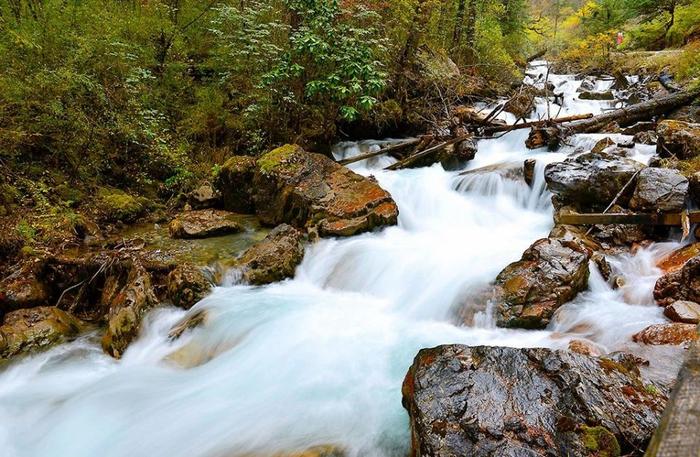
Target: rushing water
x=320, y=359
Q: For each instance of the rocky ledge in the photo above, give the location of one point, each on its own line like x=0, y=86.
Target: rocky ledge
x=306, y=190
x=496, y=401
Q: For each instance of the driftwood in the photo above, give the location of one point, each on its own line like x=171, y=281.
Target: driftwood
x=635, y=113
x=386, y=150
x=674, y=219
x=526, y=125
x=668, y=84
x=410, y=160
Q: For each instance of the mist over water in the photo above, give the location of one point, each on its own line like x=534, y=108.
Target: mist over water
x=320, y=359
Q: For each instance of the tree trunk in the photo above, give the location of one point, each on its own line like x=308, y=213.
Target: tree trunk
x=459, y=19
x=471, y=32
x=635, y=113
x=415, y=33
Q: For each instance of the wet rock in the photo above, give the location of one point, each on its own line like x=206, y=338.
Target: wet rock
x=274, y=258
x=187, y=285
x=129, y=297
x=22, y=289
x=681, y=284
x=203, y=197
x=595, y=95
x=674, y=334
x=591, y=181
x=626, y=144
x=189, y=322
x=687, y=312
x=585, y=348
x=306, y=190
x=603, y=144
x=234, y=181
x=679, y=139
x=327, y=450
x=529, y=291
x=28, y=330
x=456, y=157
x=678, y=258
x=529, y=171
x=659, y=189
x=203, y=223
x=646, y=137
x=540, y=137
x=588, y=84
x=497, y=401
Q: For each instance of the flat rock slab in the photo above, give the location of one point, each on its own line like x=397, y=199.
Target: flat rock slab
x=203, y=224
x=660, y=189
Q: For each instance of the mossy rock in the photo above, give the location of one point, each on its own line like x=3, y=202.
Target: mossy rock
x=117, y=205
x=28, y=330
x=9, y=195
x=69, y=195
x=600, y=442
x=281, y=160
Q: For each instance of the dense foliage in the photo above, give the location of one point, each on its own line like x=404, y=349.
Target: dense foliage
x=135, y=92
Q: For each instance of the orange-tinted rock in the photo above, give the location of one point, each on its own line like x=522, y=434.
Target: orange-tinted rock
x=673, y=334
x=675, y=260
x=28, y=330
x=307, y=190
x=585, y=348
x=22, y=289
x=682, y=284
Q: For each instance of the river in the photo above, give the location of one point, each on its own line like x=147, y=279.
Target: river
x=320, y=359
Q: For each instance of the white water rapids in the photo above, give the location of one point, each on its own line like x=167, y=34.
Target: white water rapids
x=320, y=359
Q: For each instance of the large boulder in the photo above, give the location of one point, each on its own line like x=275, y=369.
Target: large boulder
x=497, y=401
x=591, y=181
x=680, y=284
x=23, y=289
x=659, y=189
x=129, y=296
x=679, y=139
x=34, y=329
x=528, y=292
x=307, y=190
x=233, y=182
x=187, y=285
x=203, y=224
x=274, y=258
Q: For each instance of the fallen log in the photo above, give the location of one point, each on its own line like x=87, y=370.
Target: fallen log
x=410, y=160
x=671, y=219
x=525, y=125
x=386, y=150
x=635, y=113
x=537, y=55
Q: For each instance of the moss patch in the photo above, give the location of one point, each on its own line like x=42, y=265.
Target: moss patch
x=280, y=159
x=600, y=442
x=117, y=205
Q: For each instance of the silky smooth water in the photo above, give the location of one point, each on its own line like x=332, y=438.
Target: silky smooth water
x=320, y=359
